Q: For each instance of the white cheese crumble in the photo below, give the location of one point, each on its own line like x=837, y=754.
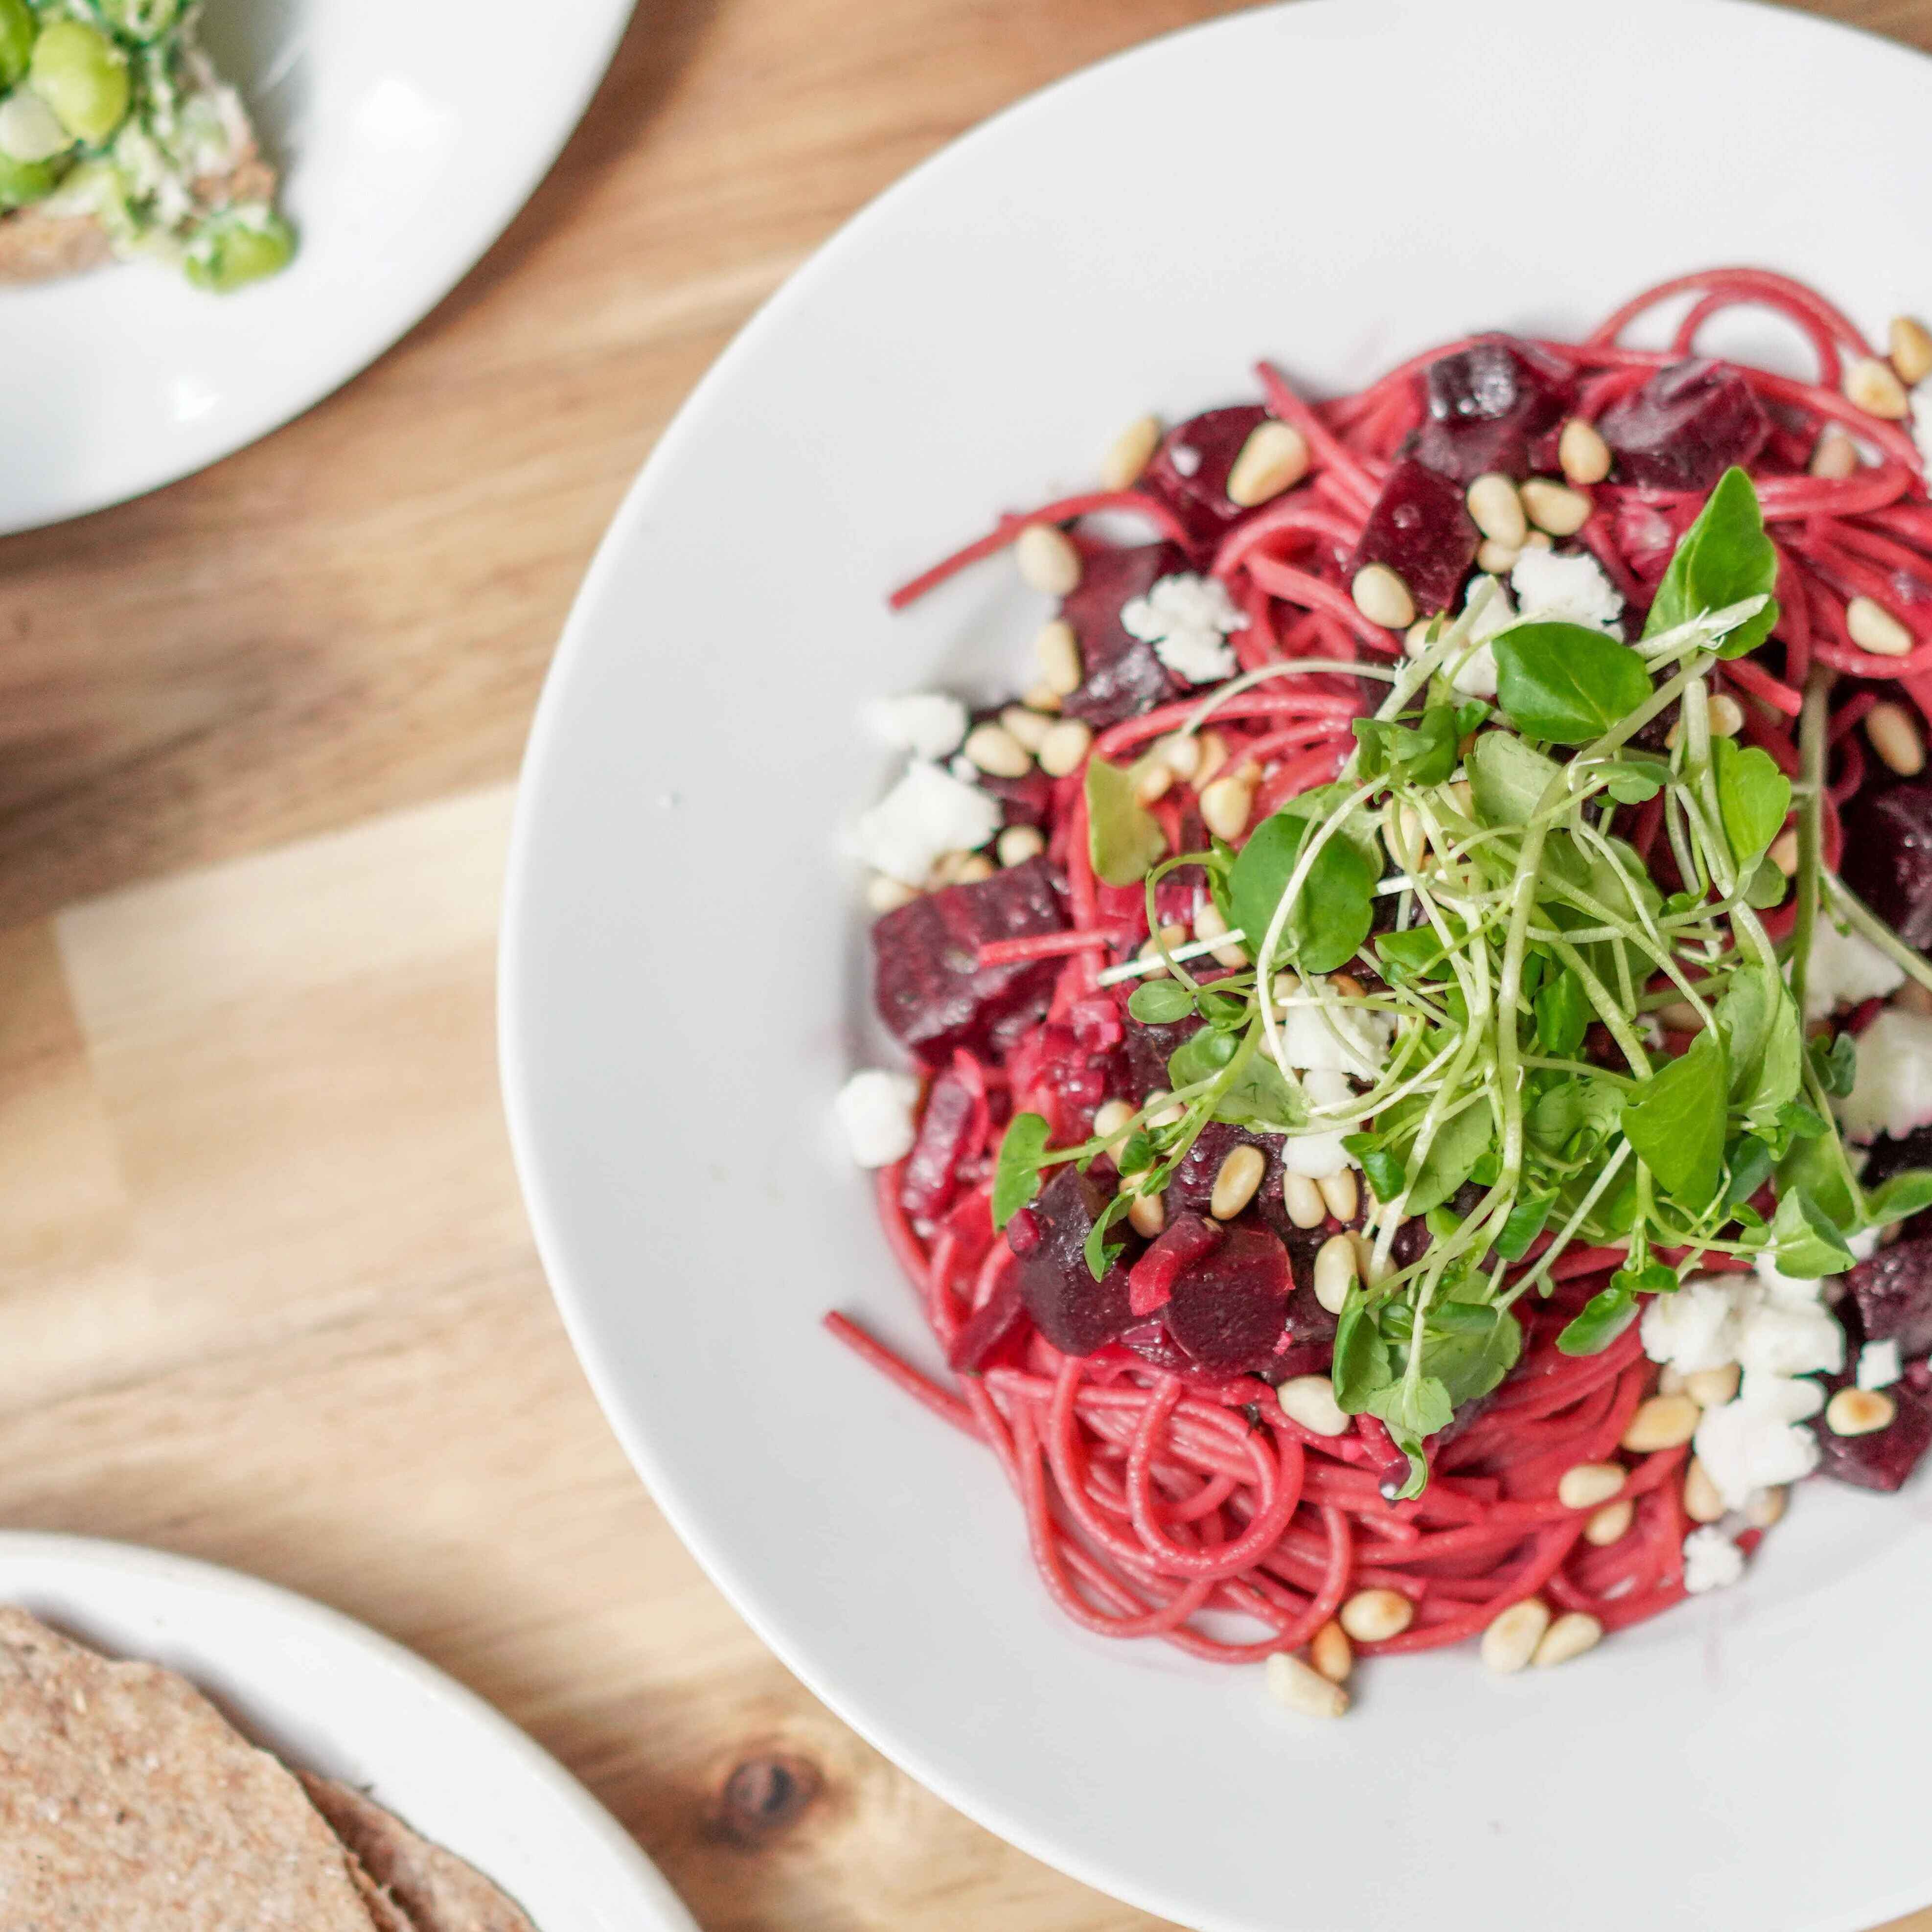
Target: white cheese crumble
x=1317, y=1154
x=1893, y=1092
x=1711, y=1561
x=1844, y=970
x=928, y=813
x=1572, y=589
x=1694, y=1328
x=1748, y=1445
x=1186, y=459
x=932, y=723
x=875, y=1108
x=1187, y=620
x=1350, y=1040
x=1880, y=1364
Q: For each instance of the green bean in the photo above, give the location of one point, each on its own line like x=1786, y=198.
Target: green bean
x=237, y=247
x=17, y=29
x=82, y=75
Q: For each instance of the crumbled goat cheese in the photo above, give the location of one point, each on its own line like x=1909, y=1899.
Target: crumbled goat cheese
x=1694, y=1328
x=1476, y=674
x=930, y=723
x=1711, y=1561
x=1316, y=1154
x=1186, y=459
x=875, y=1108
x=1787, y=1398
x=1846, y=968
x=1748, y=1445
x=1777, y=1339
x=1187, y=620
x=1893, y=1092
x=1349, y=1041
x=1573, y=589
x=1879, y=1365
x=928, y=813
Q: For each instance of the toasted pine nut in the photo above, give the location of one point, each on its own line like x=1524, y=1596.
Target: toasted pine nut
x=1065, y=747
x=883, y=895
x=946, y=870
x=1498, y=559
x=1148, y=1216
x=1702, y=1502
x=1910, y=343
x=1568, y=1636
x=1208, y=924
x=1873, y=386
x=1894, y=737
x=1334, y=1272
x=1163, y=1109
x=1310, y=1401
x=1670, y=1380
x=1610, y=1524
x=1556, y=508
x=1274, y=458
x=1590, y=1485
x=995, y=750
x=1153, y=779
x=1019, y=843
x=1303, y=1688
x=1680, y=1016
x=1179, y=751
x=1857, y=1412
x=1302, y=1199
x=1913, y=997
x=1028, y=727
x=1582, y=452
x=1383, y=597
x=974, y=867
x=1110, y=1117
x=1225, y=806
x=1498, y=509
x=1236, y=1182
x=1040, y=698
x=1342, y=1198
x=1711, y=1388
x=1047, y=561
x=1784, y=853
x=1058, y=647
x=1766, y=1508
x=1727, y=716
x=1373, y=1616
x=1130, y=453
x=1331, y=1653
x=1211, y=753
x=1415, y=639
x=1346, y=986
x=1835, y=456
x=1512, y=1636
x=1154, y=945
x=1874, y=629
x=1664, y=1422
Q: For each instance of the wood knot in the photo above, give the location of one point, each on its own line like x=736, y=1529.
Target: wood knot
x=764, y=1795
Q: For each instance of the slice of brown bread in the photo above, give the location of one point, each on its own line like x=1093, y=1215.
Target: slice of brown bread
x=127, y=1800
x=437, y=1891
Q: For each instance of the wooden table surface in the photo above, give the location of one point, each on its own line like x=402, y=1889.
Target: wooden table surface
x=267, y=1296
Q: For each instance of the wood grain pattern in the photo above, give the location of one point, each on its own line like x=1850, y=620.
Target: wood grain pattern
x=266, y=1294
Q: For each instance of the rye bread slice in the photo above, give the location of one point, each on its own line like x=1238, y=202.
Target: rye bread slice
x=128, y=1800
x=435, y=1889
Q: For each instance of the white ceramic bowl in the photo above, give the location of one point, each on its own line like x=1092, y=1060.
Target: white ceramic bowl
x=410, y=132
x=1334, y=185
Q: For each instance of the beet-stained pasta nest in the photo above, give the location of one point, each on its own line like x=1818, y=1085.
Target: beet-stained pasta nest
x=1424, y=1043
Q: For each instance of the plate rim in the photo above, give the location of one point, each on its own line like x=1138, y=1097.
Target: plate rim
x=281, y=1606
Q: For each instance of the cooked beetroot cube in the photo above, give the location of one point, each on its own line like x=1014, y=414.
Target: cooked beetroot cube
x=930, y=990
x=1189, y=470
x=1685, y=427
x=1497, y=405
x=1422, y=529
x=1185, y=1239
x=954, y=1123
x=1888, y=858
x=1227, y=1309
x=988, y=1326
x=1141, y=1064
x=1124, y=675
x=1887, y=1157
x=1886, y=1458
x=1027, y=801
x=1074, y=1312
x=1892, y=1293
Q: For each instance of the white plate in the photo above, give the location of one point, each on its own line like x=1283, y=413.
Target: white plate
x=328, y=1695
x=1333, y=184
x=409, y=133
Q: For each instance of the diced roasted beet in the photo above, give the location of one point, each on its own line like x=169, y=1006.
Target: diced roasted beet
x=1228, y=1308
x=1124, y=675
x=1189, y=470
x=1685, y=427
x=1185, y=1239
x=1888, y=1157
x=931, y=992
x=1886, y=1458
x=1497, y=405
x=988, y=1326
x=1421, y=528
x=1027, y=801
x=955, y=1120
x=1145, y=1051
x=1074, y=1312
x=1888, y=858
x=1056, y=1076
x=1892, y=1295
